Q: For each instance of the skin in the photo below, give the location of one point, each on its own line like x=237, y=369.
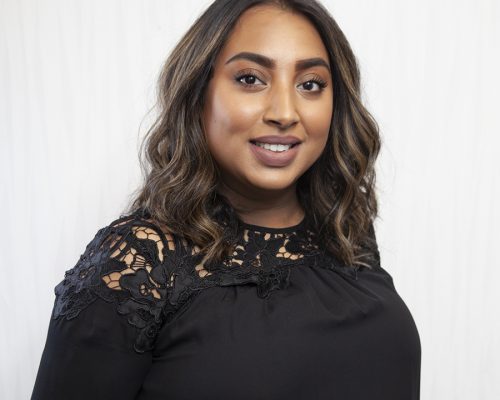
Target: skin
x=277, y=101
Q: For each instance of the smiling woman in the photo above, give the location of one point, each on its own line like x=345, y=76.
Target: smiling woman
x=254, y=103
x=247, y=265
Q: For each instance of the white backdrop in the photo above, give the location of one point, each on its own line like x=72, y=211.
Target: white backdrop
x=78, y=78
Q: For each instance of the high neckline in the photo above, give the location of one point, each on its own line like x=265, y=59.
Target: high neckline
x=287, y=229
x=251, y=227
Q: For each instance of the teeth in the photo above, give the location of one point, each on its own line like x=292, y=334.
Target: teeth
x=274, y=147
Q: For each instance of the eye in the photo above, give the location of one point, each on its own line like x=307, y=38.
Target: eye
x=318, y=81
x=248, y=77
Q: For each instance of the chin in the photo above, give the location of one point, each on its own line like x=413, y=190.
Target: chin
x=272, y=184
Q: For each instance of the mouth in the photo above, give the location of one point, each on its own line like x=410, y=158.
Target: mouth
x=276, y=154
x=275, y=148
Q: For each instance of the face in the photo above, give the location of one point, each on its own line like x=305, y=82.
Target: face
x=268, y=95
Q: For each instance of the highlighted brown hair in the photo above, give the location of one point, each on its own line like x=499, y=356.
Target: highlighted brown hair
x=180, y=176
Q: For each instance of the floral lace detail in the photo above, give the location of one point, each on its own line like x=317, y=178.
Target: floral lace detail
x=121, y=265
x=150, y=274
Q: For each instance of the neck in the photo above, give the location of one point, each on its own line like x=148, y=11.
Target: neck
x=272, y=209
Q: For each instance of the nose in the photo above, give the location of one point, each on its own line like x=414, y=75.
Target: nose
x=281, y=109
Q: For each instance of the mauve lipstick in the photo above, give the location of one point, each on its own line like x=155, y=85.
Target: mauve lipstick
x=272, y=158
x=277, y=139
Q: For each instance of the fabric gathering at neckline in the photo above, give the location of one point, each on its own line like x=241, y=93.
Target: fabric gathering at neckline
x=287, y=229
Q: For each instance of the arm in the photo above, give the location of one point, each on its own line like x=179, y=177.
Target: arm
x=107, y=312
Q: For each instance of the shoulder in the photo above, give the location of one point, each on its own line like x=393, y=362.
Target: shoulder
x=128, y=264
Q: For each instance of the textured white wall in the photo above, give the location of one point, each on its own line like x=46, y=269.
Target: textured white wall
x=77, y=79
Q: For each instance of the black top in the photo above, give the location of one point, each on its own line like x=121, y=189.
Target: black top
x=139, y=317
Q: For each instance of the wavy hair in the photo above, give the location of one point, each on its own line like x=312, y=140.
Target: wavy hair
x=179, y=190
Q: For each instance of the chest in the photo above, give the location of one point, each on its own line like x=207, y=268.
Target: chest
x=311, y=339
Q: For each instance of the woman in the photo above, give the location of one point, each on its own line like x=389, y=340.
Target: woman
x=246, y=266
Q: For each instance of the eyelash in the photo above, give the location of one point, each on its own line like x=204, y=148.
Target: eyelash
x=321, y=83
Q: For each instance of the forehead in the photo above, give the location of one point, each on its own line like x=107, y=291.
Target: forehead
x=278, y=34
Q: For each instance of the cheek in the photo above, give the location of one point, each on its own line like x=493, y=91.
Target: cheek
x=228, y=115
x=317, y=123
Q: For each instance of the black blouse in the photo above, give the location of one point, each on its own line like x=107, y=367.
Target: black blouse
x=139, y=317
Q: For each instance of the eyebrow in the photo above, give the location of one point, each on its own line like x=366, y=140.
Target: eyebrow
x=271, y=64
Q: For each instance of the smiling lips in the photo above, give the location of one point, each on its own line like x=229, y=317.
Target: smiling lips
x=275, y=139
x=275, y=151
x=274, y=147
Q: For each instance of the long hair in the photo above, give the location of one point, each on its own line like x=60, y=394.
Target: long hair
x=180, y=176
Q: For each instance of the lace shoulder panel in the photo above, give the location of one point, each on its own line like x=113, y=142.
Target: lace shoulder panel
x=127, y=263
x=149, y=273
